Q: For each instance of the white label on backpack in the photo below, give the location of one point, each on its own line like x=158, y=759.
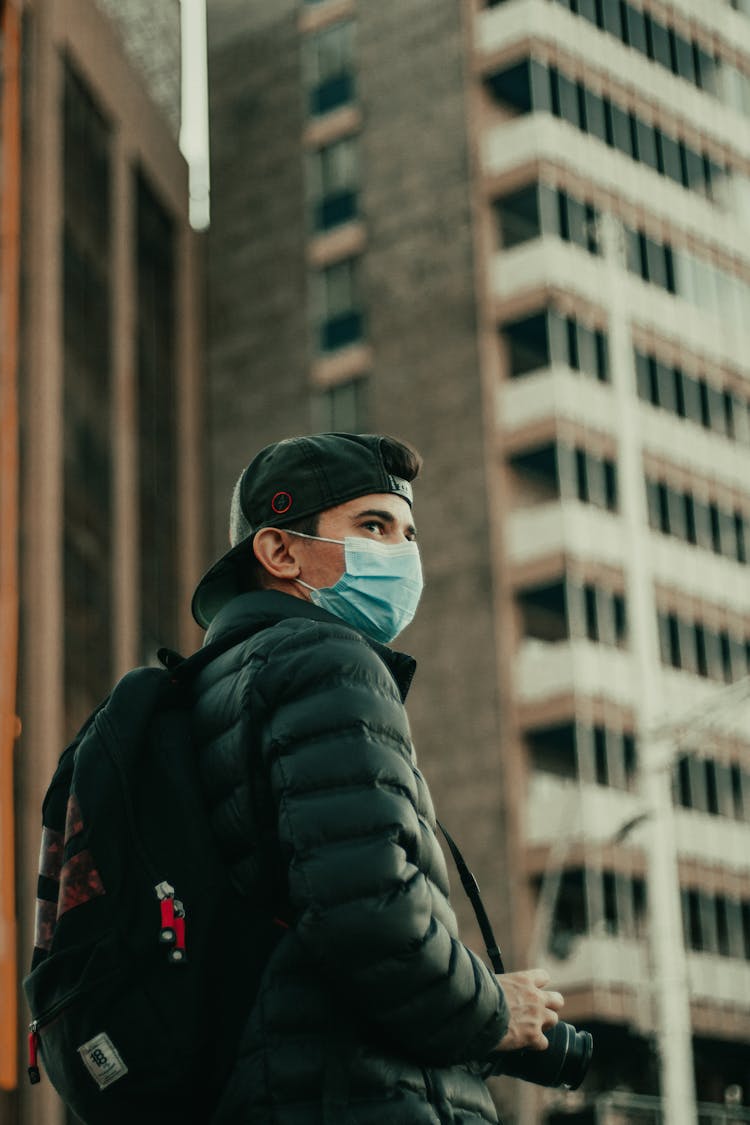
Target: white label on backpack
x=102, y=1060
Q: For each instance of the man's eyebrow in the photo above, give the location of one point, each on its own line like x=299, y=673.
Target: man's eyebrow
x=385, y=516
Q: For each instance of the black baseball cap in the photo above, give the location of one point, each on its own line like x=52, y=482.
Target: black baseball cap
x=286, y=482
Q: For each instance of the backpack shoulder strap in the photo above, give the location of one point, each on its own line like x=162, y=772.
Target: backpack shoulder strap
x=185, y=667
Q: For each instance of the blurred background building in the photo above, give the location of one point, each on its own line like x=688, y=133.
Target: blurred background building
x=100, y=359
x=517, y=234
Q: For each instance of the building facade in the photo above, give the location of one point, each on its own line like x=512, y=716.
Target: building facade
x=518, y=234
x=108, y=375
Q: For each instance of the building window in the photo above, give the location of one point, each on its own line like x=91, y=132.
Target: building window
x=334, y=183
x=157, y=403
x=341, y=408
x=329, y=68
x=563, y=609
x=531, y=86
x=695, y=399
x=339, y=311
x=87, y=400
x=710, y=526
x=691, y=646
x=545, y=338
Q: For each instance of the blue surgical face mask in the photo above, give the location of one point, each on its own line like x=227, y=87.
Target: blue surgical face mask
x=378, y=592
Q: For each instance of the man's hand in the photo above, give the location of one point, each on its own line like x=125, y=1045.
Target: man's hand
x=532, y=1009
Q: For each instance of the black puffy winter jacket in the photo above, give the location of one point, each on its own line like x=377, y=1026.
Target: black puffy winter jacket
x=370, y=1010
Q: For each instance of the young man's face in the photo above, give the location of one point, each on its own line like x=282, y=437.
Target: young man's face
x=383, y=517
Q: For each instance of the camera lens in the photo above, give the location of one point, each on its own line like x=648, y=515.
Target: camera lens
x=564, y=1063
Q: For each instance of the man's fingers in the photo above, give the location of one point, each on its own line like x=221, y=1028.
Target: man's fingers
x=554, y=1000
x=539, y=977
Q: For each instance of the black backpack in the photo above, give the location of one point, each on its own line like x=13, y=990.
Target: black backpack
x=147, y=960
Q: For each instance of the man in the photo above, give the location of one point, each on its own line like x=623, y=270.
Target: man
x=370, y=1008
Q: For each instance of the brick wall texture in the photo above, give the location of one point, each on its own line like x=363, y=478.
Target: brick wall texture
x=150, y=34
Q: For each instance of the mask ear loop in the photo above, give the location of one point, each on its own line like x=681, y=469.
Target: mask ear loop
x=316, y=538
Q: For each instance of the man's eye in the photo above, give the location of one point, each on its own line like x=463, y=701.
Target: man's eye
x=373, y=525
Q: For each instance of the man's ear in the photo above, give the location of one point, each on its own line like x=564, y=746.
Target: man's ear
x=276, y=553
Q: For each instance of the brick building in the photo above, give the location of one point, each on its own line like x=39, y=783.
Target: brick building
x=516, y=233
x=107, y=379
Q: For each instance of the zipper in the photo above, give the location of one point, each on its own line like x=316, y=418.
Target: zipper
x=42, y=1021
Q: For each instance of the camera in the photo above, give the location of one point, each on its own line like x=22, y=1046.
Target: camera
x=564, y=1063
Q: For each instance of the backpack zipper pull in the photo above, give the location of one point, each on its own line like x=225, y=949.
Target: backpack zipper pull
x=34, y=1075
x=178, y=955
x=165, y=894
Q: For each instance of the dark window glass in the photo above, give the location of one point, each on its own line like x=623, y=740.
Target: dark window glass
x=643, y=376
x=573, y=359
x=336, y=209
x=679, y=391
x=652, y=501
x=513, y=86
x=332, y=93
x=578, y=221
x=340, y=330
x=740, y=537
x=620, y=619
x=656, y=263
x=684, y=58
x=622, y=137
x=540, y=87
x=716, y=412
x=715, y=176
x=676, y=507
x=725, y=657
x=612, y=18
x=602, y=358
x=582, y=482
x=610, y=485
x=670, y=162
x=705, y=411
x=713, y=514
x=703, y=532
x=518, y=216
x=553, y=749
x=700, y=649
x=587, y=355
x=705, y=70
x=567, y=92
x=729, y=423
x=692, y=394
x=587, y=9
x=666, y=387
x=663, y=499
x=543, y=612
x=693, y=171
x=689, y=507
x=635, y=27
x=591, y=610
x=661, y=50
x=528, y=344
x=646, y=144
x=601, y=772
x=596, y=123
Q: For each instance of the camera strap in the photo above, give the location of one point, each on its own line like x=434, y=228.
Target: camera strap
x=471, y=887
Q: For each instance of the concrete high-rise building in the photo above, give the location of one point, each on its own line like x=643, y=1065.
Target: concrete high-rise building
x=518, y=234
x=101, y=499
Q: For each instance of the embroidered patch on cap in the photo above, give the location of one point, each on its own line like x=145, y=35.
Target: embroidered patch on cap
x=281, y=503
x=102, y=1060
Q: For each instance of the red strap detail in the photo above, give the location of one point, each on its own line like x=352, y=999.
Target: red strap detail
x=167, y=913
x=179, y=929
x=280, y=922
x=34, y=1075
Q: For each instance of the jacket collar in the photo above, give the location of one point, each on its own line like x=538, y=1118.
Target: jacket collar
x=262, y=608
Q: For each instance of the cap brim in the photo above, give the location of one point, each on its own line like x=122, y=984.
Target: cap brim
x=221, y=582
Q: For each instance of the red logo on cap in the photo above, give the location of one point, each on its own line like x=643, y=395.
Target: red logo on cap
x=281, y=503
